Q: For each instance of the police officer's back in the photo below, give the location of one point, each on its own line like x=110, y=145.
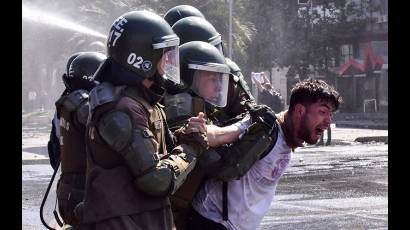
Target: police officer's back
x=72, y=109
x=53, y=145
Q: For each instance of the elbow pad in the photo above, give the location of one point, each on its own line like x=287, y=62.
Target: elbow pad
x=156, y=182
x=182, y=161
x=168, y=175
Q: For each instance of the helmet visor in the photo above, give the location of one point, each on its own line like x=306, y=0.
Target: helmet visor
x=171, y=63
x=211, y=86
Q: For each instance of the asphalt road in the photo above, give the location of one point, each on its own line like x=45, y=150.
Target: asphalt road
x=337, y=187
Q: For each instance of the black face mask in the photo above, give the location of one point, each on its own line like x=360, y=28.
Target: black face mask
x=158, y=79
x=158, y=86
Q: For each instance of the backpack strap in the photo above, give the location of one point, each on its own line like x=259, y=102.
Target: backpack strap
x=225, y=200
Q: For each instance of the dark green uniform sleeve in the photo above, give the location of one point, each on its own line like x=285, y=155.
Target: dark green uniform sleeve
x=139, y=148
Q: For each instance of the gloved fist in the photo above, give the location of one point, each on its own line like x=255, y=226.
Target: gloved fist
x=269, y=117
x=262, y=114
x=194, y=139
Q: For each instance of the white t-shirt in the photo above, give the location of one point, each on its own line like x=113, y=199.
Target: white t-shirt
x=249, y=198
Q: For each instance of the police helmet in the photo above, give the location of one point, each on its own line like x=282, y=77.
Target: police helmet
x=234, y=68
x=139, y=40
x=178, y=12
x=204, y=71
x=197, y=29
x=70, y=59
x=82, y=69
x=97, y=46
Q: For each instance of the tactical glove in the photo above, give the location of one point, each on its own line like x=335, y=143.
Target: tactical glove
x=198, y=141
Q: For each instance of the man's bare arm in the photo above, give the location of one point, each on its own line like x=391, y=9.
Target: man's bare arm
x=218, y=135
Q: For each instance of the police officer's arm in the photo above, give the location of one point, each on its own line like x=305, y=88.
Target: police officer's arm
x=239, y=157
x=139, y=148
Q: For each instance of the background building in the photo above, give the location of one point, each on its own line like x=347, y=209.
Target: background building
x=362, y=71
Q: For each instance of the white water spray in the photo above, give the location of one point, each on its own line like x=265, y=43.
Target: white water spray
x=46, y=18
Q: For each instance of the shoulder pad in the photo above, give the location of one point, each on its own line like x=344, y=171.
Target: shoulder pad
x=73, y=100
x=82, y=112
x=116, y=129
x=101, y=94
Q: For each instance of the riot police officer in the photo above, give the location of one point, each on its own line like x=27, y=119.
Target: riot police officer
x=239, y=96
x=72, y=109
x=130, y=173
x=53, y=145
x=205, y=77
x=198, y=29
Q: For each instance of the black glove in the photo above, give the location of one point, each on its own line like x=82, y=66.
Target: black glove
x=263, y=114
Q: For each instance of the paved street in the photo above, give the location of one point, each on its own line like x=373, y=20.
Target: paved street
x=337, y=187
x=342, y=186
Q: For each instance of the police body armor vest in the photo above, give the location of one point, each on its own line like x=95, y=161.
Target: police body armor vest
x=73, y=111
x=110, y=192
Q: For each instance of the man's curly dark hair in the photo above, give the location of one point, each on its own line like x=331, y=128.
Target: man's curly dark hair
x=310, y=91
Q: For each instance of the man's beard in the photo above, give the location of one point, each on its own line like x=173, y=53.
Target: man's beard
x=305, y=132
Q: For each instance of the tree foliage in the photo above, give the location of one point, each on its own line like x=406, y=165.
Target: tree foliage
x=266, y=33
